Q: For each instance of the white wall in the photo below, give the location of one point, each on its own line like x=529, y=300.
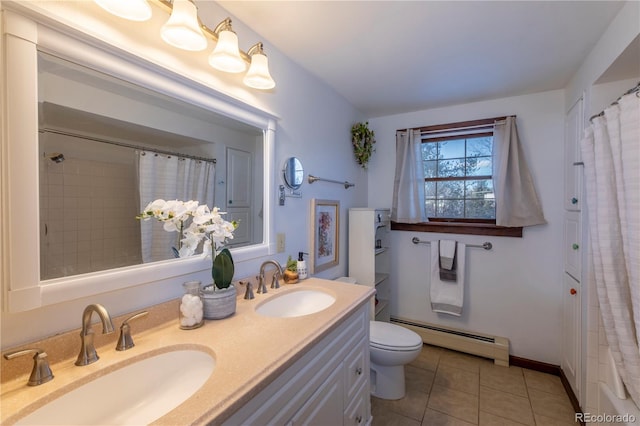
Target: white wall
x=513, y=290
x=314, y=124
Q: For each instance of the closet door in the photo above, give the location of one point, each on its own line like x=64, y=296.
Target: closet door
x=574, y=127
x=571, y=332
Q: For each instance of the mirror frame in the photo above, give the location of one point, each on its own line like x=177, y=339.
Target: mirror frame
x=23, y=37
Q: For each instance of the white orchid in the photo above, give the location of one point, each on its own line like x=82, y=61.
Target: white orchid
x=205, y=224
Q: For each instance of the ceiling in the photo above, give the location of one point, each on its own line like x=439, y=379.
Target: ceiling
x=390, y=57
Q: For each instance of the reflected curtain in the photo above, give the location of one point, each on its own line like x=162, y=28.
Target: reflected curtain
x=517, y=202
x=169, y=178
x=408, y=186
x=611, y=155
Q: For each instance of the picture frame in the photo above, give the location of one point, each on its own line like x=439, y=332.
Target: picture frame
x=325, y=235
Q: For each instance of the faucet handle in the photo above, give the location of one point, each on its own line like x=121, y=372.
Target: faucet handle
x=125, y=341
x=41, y=372
x=248, y=295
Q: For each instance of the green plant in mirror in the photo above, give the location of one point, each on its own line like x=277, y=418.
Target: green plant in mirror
x=223, y=269
x=362, y=139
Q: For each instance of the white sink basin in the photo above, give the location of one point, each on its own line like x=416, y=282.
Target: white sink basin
x=136, y=394
x=296, y=303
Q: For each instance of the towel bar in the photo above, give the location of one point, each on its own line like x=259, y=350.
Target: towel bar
x=486, y=245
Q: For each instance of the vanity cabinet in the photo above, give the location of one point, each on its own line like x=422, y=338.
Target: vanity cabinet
x=329, y=385
x=370, y=254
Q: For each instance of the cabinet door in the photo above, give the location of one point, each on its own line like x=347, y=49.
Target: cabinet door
x=574, y=127
x=325, y=407
x=571, y=326
x=358, y=412
x=572, y=245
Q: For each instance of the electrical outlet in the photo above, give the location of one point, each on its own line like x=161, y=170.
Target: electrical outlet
x=280, y=241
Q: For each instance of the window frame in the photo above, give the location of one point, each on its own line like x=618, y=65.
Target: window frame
x=467, y=226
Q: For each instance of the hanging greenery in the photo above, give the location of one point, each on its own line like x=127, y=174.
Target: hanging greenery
x=362, y=139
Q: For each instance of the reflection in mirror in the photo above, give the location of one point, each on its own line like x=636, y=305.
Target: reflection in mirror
x=108, y=148
x=293, y=173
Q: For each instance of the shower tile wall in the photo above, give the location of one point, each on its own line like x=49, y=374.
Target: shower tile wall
x=88, y=211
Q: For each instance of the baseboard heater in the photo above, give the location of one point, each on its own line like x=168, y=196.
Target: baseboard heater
x=492, y=347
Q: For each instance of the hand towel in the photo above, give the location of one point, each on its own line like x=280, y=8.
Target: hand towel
x=447, y=297
x=447, y=261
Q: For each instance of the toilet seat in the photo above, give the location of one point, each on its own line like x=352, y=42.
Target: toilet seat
x=392, y=337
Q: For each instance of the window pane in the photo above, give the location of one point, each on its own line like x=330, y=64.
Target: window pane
x=479, y=166
x=452, y=149
x=451, y=189
x=430, y=208
x=477, y=147
x=450, y=208
x=430, y=168
x=429, y=151
x=480, y=209
x=482, y=188
x=429, y=190
x=447, y=168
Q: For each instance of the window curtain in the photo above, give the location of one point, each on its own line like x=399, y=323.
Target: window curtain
x=611, y=155
x=408, y=185
x=516, y=198
x=169, y=178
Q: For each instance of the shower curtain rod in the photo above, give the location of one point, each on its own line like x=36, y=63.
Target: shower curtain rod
x=635, y=89
x=126, y=145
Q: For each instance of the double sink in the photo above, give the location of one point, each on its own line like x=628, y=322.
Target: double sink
x=147, y=387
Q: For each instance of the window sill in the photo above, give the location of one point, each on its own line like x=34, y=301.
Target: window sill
x=459, y=228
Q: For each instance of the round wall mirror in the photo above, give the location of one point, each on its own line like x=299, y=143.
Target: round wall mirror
x=293, y=173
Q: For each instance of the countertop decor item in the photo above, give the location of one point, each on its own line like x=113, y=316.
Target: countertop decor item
x=362, y=139
x=290, y=274
x=198, y=225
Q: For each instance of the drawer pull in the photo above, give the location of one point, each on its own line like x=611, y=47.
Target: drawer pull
x=575, y=246
x=573, y=291
x=574, y=200
x=358, y=371
x=358, y=419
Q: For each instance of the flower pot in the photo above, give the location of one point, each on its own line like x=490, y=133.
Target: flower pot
x=290, y=277
x=219, y=303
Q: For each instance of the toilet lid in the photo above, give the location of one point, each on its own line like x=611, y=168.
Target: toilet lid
x=392, y=337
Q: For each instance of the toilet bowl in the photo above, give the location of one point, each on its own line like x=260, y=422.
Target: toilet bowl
x=390, y=348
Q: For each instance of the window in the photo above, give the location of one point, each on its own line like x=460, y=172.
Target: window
x=457, y=161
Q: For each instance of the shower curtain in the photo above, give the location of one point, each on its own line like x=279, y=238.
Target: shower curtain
x=611, y=155
x=170, y=178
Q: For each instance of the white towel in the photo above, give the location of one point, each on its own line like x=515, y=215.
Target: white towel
x=447, y=297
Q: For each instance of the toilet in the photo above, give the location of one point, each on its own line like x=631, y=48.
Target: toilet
x=390, y=348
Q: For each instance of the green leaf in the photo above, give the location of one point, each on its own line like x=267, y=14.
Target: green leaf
x=223, y=269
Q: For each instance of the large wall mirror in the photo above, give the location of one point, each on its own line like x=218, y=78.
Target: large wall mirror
x=104, y=134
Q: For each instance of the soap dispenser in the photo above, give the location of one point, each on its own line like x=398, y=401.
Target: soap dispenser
x=302, y=266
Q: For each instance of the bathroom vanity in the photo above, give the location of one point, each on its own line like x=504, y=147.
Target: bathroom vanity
x=268, y=370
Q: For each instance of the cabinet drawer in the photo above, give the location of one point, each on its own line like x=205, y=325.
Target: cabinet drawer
x=356, y=368
x=358, y=411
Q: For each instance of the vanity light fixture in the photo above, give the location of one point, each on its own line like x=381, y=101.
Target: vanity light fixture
x=184, y=30
x=133, y=10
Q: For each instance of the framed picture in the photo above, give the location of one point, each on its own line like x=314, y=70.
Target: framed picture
x=325, y=234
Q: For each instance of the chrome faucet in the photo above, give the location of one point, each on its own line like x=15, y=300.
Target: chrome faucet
x=262, y=288
x=88, y=352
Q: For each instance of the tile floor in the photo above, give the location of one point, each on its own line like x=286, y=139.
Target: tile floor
x=450, y=388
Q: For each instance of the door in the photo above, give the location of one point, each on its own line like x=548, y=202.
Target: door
x=239, y=194
x=571, y=328
x=574, y=127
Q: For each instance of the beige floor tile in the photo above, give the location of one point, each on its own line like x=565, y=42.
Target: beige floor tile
x=428, y=358
x=458, y=379
x=505, y=379
x=436, y=418
x=418, y=379
x=384, y=417
x=463, y=361
x=412, y=405
x=551, y=405
x=548, y=421
x=544, y=382
x=488, y=419
x=461, y=405
x=507, y=405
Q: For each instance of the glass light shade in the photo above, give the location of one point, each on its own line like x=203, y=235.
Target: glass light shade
x=226, y=56
x=258, y=75
x=133, y=10
x=182, y=30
